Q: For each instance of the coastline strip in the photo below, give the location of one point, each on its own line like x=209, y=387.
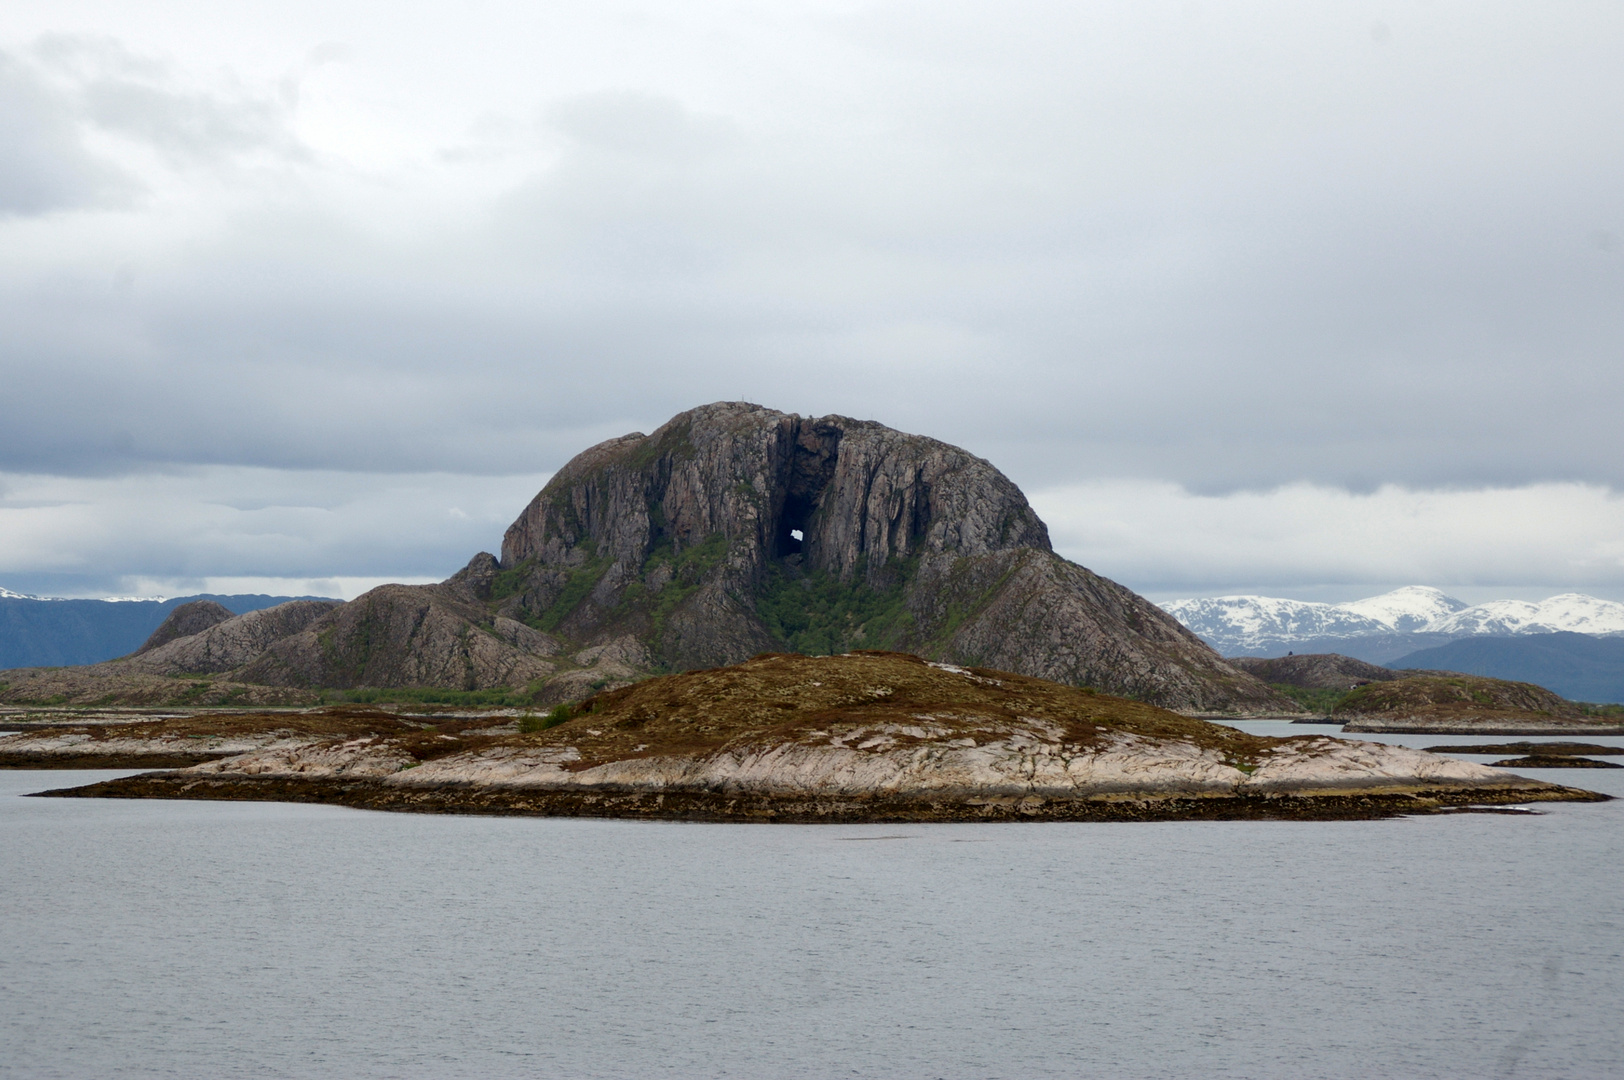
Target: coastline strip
x=705, y=806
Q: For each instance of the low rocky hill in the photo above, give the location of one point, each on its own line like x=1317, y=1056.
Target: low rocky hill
x=186, y=620
x=1450, y=703
x=1315, y=671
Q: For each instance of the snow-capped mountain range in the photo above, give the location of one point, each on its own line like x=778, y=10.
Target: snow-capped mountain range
x=1239, y=624
x=7, y=594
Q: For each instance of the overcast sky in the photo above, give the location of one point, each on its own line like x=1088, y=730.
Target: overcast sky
x=1313, y=300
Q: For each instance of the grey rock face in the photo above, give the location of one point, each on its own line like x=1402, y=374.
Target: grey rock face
x=406, y=635
x=691, y=538
x=184, y=621
x=231, y=643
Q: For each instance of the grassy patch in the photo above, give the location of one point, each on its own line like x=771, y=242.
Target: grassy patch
x=961, y=607
x=677, y=442
x=530, y=722
x=1312, y=700
x=508, y=582
x=817, y=614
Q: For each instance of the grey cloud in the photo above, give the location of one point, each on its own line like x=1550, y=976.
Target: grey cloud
x=185, y=127
x=46, y=166
x=1227, y=279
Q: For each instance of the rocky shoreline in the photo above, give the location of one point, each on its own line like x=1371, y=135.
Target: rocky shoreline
x=1421, y=725
x=855, y=737
x=703, y=806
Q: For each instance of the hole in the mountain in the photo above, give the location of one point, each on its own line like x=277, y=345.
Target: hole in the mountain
x=792, y=526
x=810, y=467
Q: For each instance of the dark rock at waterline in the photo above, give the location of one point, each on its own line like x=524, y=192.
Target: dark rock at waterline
x=1555, y=761
x=1532, y=749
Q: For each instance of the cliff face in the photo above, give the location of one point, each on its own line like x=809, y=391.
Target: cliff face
x=735, y=529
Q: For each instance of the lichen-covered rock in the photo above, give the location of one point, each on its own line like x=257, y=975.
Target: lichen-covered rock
x=872, y=728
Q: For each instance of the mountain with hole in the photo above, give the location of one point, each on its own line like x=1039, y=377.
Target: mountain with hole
x=730, y=531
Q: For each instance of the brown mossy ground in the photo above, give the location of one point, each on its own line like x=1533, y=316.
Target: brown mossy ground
x=1462, y=698
x=112, y=684
x=778, y=698
x=770, y=700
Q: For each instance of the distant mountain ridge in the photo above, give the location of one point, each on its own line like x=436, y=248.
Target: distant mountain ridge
x=38, y=631
x=1581, y=667
x=1383, y=628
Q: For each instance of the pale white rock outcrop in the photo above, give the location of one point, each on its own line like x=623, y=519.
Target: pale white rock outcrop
x=366, y=757
x=79, y=744
x=899, y=760
x=1324, y=763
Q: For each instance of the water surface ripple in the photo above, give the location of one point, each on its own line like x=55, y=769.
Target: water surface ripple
x=152, y=939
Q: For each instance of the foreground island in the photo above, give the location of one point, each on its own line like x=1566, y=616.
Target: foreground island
x=861, y=737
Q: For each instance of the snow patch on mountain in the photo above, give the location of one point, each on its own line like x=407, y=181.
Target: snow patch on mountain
x=7, y=594
x=1576, y=612
x=1235, y=624
x=1407, y=610
x=1253, y=621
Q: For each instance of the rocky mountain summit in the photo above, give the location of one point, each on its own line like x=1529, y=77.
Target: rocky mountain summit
x=732, y=530
x=736, y=529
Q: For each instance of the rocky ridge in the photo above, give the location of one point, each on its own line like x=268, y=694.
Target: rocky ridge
x=184, y=621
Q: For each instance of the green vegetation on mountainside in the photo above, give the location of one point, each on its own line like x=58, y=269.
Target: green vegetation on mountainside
x=816, y=614
x=577, y=586
x=1314, y=700
x=681, y=572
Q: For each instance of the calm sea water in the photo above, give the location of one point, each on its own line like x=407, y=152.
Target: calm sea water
x=180, y=939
